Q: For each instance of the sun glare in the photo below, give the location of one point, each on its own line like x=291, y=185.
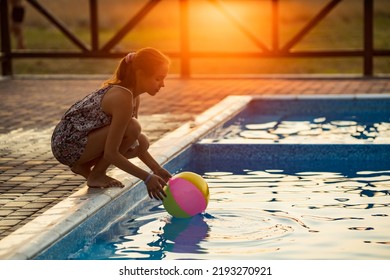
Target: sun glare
x=217, y=25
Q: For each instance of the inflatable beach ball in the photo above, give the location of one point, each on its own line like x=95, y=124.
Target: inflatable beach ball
x=187, y=195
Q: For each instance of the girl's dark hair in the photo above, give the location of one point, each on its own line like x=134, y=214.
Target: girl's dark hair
x=146, y=59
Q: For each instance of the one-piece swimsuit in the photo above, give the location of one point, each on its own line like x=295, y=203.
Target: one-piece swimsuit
x=69, y=137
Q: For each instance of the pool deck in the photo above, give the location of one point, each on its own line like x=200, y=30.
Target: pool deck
x=32, y=181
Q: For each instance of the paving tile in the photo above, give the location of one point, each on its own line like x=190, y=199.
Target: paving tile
x=24, y=212
x=41, y=189
x=28, y=198
x=8, y=222
x=14, y=171
x=17, y=204
x=26, y=186
x=4, y=213
x=20, y=179
x=5, y=178
x=53, y=183
x=10, y=195
x=34, y=205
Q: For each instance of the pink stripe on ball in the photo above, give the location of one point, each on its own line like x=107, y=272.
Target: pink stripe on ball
x=187, y=196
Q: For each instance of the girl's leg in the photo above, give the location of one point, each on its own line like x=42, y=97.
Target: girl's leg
x=143, y=146
x=93, y=154
x=83, y=169
x=96, y=180
x=93, y=166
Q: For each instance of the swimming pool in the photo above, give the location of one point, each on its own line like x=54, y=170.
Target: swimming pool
x=268, y=200
x=262, y=210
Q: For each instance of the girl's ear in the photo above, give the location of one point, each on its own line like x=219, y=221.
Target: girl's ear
x=139, y=73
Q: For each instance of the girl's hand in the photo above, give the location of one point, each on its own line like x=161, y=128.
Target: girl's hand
x=155, y=187
x=164, y=174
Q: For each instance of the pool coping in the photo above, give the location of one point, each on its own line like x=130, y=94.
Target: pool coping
x=31, y=239
x=37, y=235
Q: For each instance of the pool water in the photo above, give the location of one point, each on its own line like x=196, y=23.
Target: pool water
x=308, y=121
x=292, y=212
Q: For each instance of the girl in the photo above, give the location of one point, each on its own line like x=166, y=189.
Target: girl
x=102, y=129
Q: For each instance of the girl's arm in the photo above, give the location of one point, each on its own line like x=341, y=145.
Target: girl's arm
x=150, y=162
x=147, y=157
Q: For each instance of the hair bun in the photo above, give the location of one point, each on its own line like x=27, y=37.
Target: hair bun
x=129, y=57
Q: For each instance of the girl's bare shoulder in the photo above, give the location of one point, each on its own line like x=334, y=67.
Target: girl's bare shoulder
x=117, y=98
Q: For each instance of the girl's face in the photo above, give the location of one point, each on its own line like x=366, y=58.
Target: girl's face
x=151, y=84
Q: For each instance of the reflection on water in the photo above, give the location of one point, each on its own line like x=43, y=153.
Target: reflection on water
x=318, y=130
x=265, y=214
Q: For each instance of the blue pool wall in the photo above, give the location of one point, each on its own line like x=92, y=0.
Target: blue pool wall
x=293, y=157
x=294, y=152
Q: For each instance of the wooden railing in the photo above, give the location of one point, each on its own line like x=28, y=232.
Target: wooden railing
x=95, y=50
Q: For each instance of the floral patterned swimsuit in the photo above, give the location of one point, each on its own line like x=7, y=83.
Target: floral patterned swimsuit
x=69, y=137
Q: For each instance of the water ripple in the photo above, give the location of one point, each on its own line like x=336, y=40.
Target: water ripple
x=263, y=214
x=319, y=129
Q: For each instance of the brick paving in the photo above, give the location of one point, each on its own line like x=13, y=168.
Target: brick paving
x=32, y=181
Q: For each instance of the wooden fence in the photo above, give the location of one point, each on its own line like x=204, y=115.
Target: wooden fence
x=95, y=50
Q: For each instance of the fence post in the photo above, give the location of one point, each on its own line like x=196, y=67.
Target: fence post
x=368, y=37
x=94, y=24
x=275, y=25
x=184, y=40
x=6, y=59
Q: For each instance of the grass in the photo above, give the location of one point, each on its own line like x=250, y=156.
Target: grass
x=209, y=31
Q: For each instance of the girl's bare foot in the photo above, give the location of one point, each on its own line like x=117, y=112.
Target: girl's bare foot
x=103, y=181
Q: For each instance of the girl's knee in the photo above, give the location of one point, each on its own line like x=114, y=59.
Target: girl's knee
x=143, y=143
x=133, y=128
x=138, y=147
x=132, y=133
